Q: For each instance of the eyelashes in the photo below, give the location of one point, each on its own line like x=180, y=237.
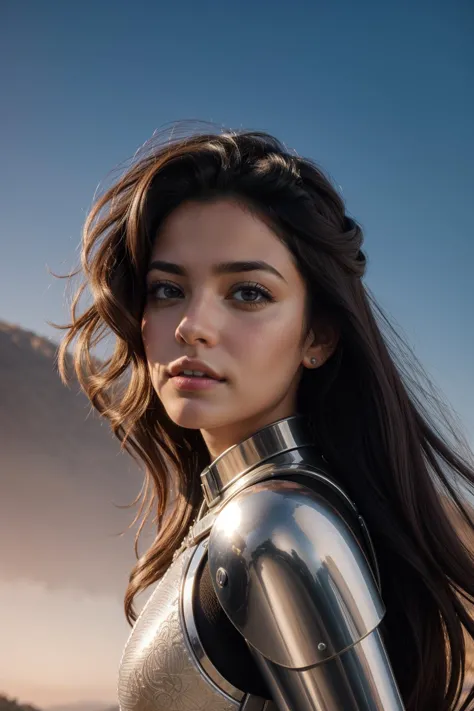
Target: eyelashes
x=249, y=286
x=153, y=289
x=256, y=288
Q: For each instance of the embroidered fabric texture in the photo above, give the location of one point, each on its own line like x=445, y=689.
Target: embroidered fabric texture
x=157, y=671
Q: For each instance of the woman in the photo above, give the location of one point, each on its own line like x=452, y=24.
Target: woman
x=233, y=282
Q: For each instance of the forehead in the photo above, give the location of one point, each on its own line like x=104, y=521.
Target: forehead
x=201, y=233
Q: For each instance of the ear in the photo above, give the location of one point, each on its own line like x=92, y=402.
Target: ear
x=320, y=345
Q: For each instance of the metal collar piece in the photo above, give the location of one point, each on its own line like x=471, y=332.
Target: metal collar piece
x=281, y=436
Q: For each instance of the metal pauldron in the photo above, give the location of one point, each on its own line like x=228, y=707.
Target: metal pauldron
x=205, y=520
x=291, y=576
x=294, y=580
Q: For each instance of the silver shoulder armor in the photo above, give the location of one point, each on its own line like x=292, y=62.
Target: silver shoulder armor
x=293, y=579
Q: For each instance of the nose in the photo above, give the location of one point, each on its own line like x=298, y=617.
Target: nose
x=199, y=323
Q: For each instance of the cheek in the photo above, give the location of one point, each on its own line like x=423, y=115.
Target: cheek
x=150, y=337
x=270, y=349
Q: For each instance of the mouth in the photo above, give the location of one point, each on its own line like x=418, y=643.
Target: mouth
x=195, y=382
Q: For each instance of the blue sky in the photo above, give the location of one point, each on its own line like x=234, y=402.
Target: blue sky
x=378, y=93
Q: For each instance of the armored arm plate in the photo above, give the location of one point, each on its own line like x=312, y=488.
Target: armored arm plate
x=291, y=575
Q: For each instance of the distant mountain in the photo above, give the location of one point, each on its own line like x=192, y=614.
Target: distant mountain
x=61, y=471
x=10, y=704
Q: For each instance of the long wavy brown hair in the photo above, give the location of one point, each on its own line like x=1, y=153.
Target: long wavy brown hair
x=374, y=416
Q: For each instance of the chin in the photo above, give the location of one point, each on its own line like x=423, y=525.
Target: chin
x=194, y=415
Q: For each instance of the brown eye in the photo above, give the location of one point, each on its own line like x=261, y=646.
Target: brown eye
x=259, y=295
x=163, y=291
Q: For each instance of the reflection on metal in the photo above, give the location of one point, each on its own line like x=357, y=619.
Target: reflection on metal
x=360, y=679
x=282, y=436
x=289, y=446
x=301, y=592
x=255, y=703
x=292, y=566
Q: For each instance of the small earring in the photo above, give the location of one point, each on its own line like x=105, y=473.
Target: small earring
x=313, y=361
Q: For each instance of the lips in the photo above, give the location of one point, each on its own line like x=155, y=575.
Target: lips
x=195, y=383
x=177, y=368
x=206, y=376
x=192, y=375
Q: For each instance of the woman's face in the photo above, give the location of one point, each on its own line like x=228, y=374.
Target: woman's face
x=246, y=325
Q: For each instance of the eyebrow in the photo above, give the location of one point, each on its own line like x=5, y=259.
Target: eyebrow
x=221, y=268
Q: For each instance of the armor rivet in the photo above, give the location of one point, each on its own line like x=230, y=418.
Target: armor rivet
x=222, y=577
x=321, y=646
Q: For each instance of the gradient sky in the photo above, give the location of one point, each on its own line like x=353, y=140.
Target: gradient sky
x=380, y=94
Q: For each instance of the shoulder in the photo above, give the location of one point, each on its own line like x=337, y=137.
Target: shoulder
x=263, y=511
x=280, y=556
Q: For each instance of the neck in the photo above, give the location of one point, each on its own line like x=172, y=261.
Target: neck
x=239, y=459
x=219, y=439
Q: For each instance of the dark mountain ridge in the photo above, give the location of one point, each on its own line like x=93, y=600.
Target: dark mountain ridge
x=9, y=703
x=61, y=471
